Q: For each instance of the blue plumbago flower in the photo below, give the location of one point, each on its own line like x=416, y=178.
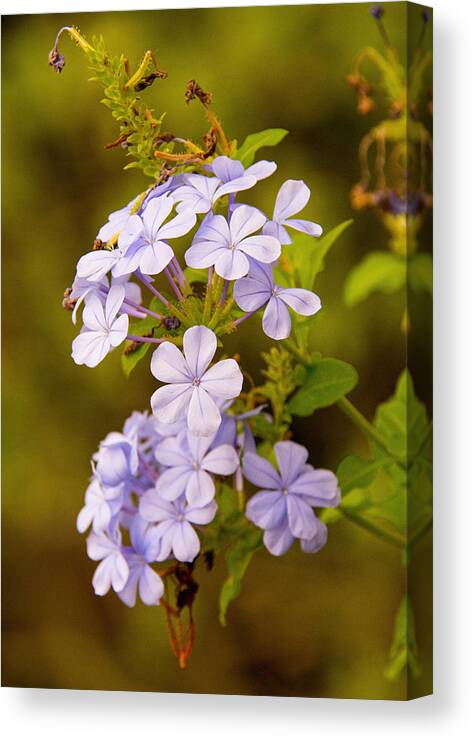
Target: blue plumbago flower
x=82, y=289
x=175, y=519
x=190, y=465
x=228, y=246
x=284, y=507
x=200, y=193
x=193, y=387
x=143, y=240
x=113, y=571
x=142, y=579
x=229, y=170
x=292, y=198
x=258, y=288
x=101, y=504
x=116, y=222
x=103, y=329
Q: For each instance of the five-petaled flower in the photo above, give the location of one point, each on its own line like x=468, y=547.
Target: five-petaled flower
x=292, y=198
x=284, y=507
x=142, y=241
x=175, y=519
x=189, y=467
x=103, y=329
x=228, y=246
x=193, y=386
x=258, y=288
x=113, y=570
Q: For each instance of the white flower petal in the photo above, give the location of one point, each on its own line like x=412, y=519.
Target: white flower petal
x=222, y=460
x=223, y=380
x=303, y=302
x=171, y=402
x=291, y=198
x=276, y=320
x=263, y=248
x=244, y=221
x=199, y=349
x=89, y=348
x=169, y=365
x=231, y=264
x=203, y=414
x=155, y=257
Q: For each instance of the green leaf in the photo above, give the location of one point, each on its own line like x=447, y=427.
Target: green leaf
x=403, y=422
x=354, y=472
x=306, y=255
x=129, y=360
x=420, y=273
x=378, y=271
x=404, y=649
x=325, y=382
x=270, y=137
x=238, y=557
x=310, y=260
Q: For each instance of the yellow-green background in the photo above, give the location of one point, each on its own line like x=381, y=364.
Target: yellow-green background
x=304, y=625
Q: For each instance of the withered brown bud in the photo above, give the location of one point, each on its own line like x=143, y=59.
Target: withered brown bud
x=147, y=81
x=193, y=90
x=67, y=302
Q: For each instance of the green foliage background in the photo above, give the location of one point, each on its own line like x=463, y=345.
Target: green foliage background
x=303, y=625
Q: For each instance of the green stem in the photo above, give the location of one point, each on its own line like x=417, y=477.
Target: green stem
x=366, y=427
x=385, y=536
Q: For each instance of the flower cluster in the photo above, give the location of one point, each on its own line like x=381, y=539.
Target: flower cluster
x=156, y=485
x=241, y=247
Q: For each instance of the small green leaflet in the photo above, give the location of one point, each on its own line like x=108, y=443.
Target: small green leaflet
x=403, y=421
x=378, y=271
x=354, y=472
x=326, y=381
x=270, y=137
x=238, y=557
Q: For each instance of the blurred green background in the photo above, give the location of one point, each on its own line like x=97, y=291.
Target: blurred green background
x=304, y=625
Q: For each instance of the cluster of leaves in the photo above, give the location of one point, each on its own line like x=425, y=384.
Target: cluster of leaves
x=138, y=126
x=390, y=495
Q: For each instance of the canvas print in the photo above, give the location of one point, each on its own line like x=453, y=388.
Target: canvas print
x=217, y=294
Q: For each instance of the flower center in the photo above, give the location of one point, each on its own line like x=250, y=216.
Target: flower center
x=285, y=491
x=196, y=382
x=180, y=518
x=275, y=290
